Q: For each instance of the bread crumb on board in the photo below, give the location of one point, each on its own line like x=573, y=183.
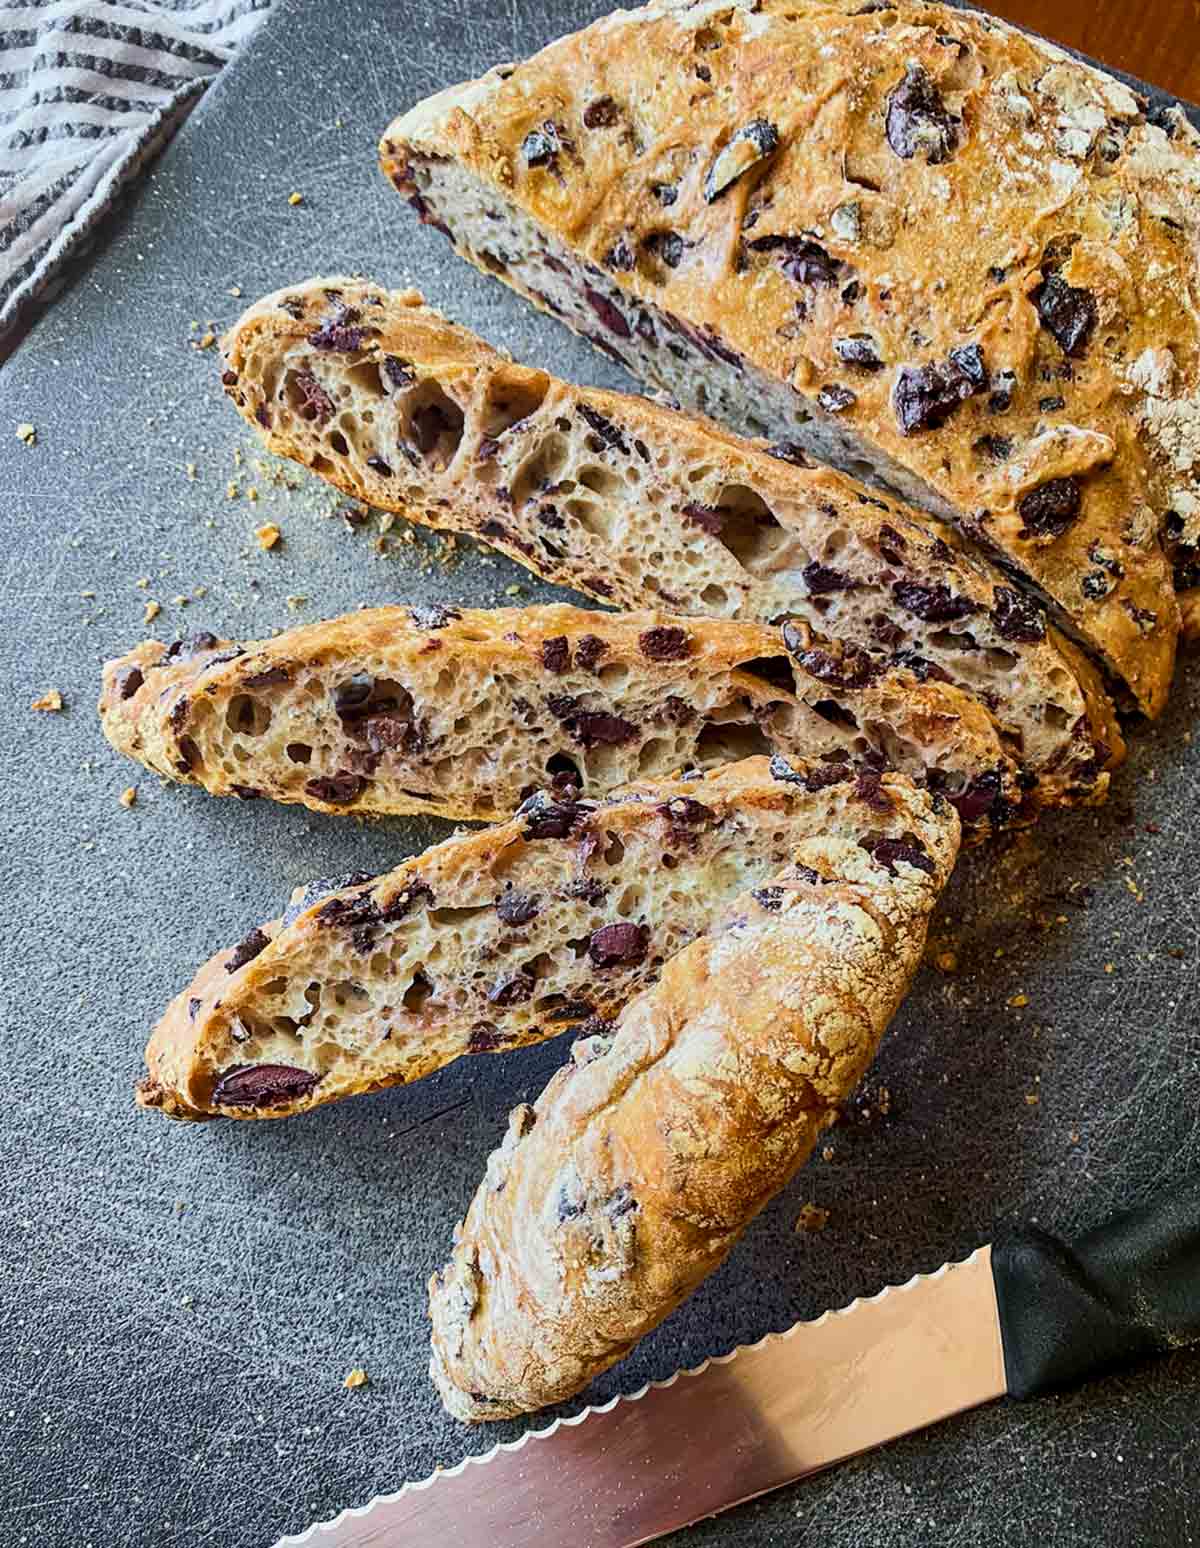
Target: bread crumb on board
x=52, y=701
x=27, y=433
x=128, y=796
x=812, y=1218
x=356, y=1378
x=295, y=198
x=268, y=535
x=153, y=609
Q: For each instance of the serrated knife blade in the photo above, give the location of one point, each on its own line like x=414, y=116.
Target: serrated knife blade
x=1032, y=1314
x=736, y=1427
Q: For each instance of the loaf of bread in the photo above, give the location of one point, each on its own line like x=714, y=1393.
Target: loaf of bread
x=640, y=506
x=463, y=713
x=488, y=941
x=637, y=1169
x=929, y=248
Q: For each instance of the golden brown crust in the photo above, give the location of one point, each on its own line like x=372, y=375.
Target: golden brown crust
x=799, y=535
x=486, y=942
x=952, y=166
x=633, y=1175
x=460, y=713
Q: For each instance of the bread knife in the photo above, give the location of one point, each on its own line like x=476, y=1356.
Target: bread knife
x=1024, y=1316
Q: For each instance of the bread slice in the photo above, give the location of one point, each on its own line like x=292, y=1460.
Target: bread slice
x=931, y=249
x=635, y=1172
x=463, y=713
x=638, y=505
x=488, y=941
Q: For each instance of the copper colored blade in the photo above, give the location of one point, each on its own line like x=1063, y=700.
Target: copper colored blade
x=679, y=1450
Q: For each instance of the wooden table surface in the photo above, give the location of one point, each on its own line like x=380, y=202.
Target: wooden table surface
x=1156, y=40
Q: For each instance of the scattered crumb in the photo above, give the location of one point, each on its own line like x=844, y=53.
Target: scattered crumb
x=252, y=493
x=1018, y=1001
x=812, y=1218
x=947, y=962
x=1032, y=1099
x=206, y=340
x=268, y=535
x=181, y=600
x=1074, y=1136
x=1110, y=967
x=297, y=198
x=190, y=470
x=296, y=602
x=142, y=582
x=128, y=796
x=827, y=1153
x=231, y=490
x=352, y=515
x=49, y=701
x=235, y=291
x=512, y=591
x=356, y=1378
x=27, y=433
x=153, y=609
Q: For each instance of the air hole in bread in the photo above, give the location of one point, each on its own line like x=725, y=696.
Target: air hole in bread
x=748, y=530
x=454, y=917
x=347, y=994
x=248, y=715
x=949, y=639
x=601, y=481
x=299, y=752
x=563, y=771
x=836, y=714
x=776, y=670
x=433, y=424
x=541, y=469
x=338, y=441
x=364, y=378
x=729, y=741
x=651, y=755
x=1056, y=716
x=614, y=676
x=596, y=519
x=508, y=405
x=629, y=901
x=419, y=991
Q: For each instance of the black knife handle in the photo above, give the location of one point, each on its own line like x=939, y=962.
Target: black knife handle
x=1128, y=1289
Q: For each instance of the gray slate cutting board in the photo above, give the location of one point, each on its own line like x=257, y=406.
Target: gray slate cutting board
x=179, y=1305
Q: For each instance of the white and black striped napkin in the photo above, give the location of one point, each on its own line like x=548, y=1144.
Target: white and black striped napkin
x=89, y=90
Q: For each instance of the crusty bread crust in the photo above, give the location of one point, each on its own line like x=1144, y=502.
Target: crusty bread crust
x=488, y=941
x=918, y=179
x=635, y=504
x=637, y=1169
x=463, y=713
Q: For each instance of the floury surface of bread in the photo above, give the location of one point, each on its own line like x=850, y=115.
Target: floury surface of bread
x=490, y=940
x=928, y=247
x=638, y=505
x=463, y=713
x=634, y=1173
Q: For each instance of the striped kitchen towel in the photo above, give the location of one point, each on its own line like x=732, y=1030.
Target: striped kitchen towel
x=89, y=90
